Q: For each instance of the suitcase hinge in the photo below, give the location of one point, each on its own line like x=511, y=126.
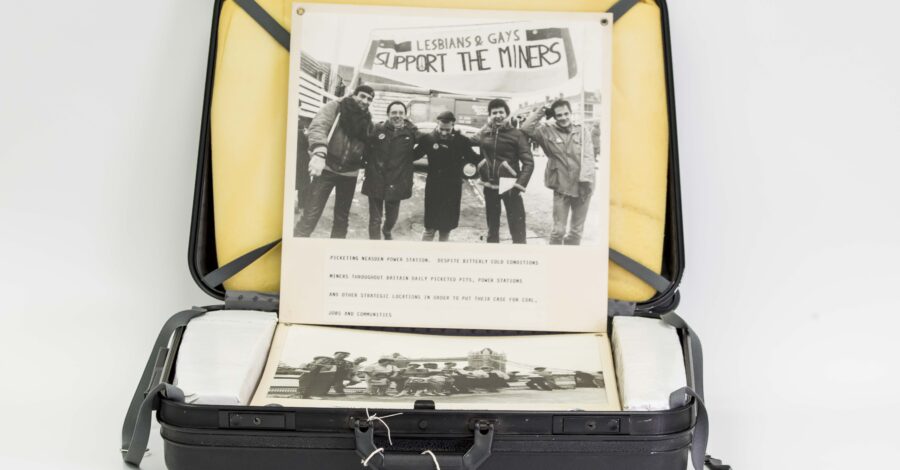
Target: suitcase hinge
x=621, y=308
x=245, y=300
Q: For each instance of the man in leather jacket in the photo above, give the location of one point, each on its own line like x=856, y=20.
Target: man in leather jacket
x=507, y=154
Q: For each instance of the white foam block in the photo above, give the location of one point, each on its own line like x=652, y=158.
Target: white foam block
x=649, y=362
x=222, y=356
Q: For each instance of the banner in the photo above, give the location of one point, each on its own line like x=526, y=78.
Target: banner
x=499, y=58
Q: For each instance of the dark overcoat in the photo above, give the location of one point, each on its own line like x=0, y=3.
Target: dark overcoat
x=443, y=185
x=389, y=162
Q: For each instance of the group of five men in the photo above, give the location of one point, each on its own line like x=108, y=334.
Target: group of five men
x=343, y=140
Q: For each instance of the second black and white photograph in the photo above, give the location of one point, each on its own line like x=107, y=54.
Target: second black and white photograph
x=334, y=367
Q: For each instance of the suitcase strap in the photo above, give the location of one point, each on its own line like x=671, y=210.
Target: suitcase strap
x=694, y=360
x=136, y=426
x=699, y=459
x=640, y=271
x=271, y=25
x=219, y=276
x=695, y=369
x=621, y=7
x=680, y=397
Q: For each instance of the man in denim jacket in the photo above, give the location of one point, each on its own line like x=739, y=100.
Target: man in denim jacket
x=570, y=168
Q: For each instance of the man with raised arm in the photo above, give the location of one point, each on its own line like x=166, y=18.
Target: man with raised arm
x=570, y=168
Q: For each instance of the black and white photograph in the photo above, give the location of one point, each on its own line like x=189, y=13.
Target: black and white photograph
x=476, y=129
x=325, y=367
x=417, y=126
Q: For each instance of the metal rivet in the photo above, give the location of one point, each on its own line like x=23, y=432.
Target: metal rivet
x=300, y=11
x=604, y=21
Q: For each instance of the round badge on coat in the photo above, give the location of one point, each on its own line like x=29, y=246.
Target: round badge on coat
x=380, y=136
x=437, y=146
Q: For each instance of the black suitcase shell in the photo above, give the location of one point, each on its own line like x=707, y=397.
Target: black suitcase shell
x=199, y=437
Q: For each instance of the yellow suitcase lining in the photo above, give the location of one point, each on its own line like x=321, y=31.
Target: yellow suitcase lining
x=248, y=136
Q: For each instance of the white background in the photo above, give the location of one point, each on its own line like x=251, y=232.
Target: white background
x=789, y=118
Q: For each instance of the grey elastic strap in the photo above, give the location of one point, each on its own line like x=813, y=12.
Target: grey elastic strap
x=695, y=379
x=696, y=350
x=136, y=449
x=224, y=273
x=136, y=426
x=680, y=398
x=642, y=272
x=271, y=25
x=621, y=7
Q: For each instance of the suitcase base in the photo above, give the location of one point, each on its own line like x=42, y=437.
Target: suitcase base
x=193, y=449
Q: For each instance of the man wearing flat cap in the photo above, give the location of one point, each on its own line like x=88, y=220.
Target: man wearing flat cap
x=449, y=153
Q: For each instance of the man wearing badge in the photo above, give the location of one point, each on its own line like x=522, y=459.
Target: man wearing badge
x=507, y=162
x=389, y=170
x=570, y=168
x=450, y=154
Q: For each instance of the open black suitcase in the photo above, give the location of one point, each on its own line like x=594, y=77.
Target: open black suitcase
x=226, y=438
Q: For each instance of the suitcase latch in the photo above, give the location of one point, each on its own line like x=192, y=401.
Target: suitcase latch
x=260, y=421
x=590, y=425
x=482, y=425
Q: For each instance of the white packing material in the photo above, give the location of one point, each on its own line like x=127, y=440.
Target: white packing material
x=222, y=356
x=649, y=362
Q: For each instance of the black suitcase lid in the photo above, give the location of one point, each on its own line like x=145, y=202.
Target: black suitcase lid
x=202, y=257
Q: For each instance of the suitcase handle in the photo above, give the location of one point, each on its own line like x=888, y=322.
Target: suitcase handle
x=376, y=458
